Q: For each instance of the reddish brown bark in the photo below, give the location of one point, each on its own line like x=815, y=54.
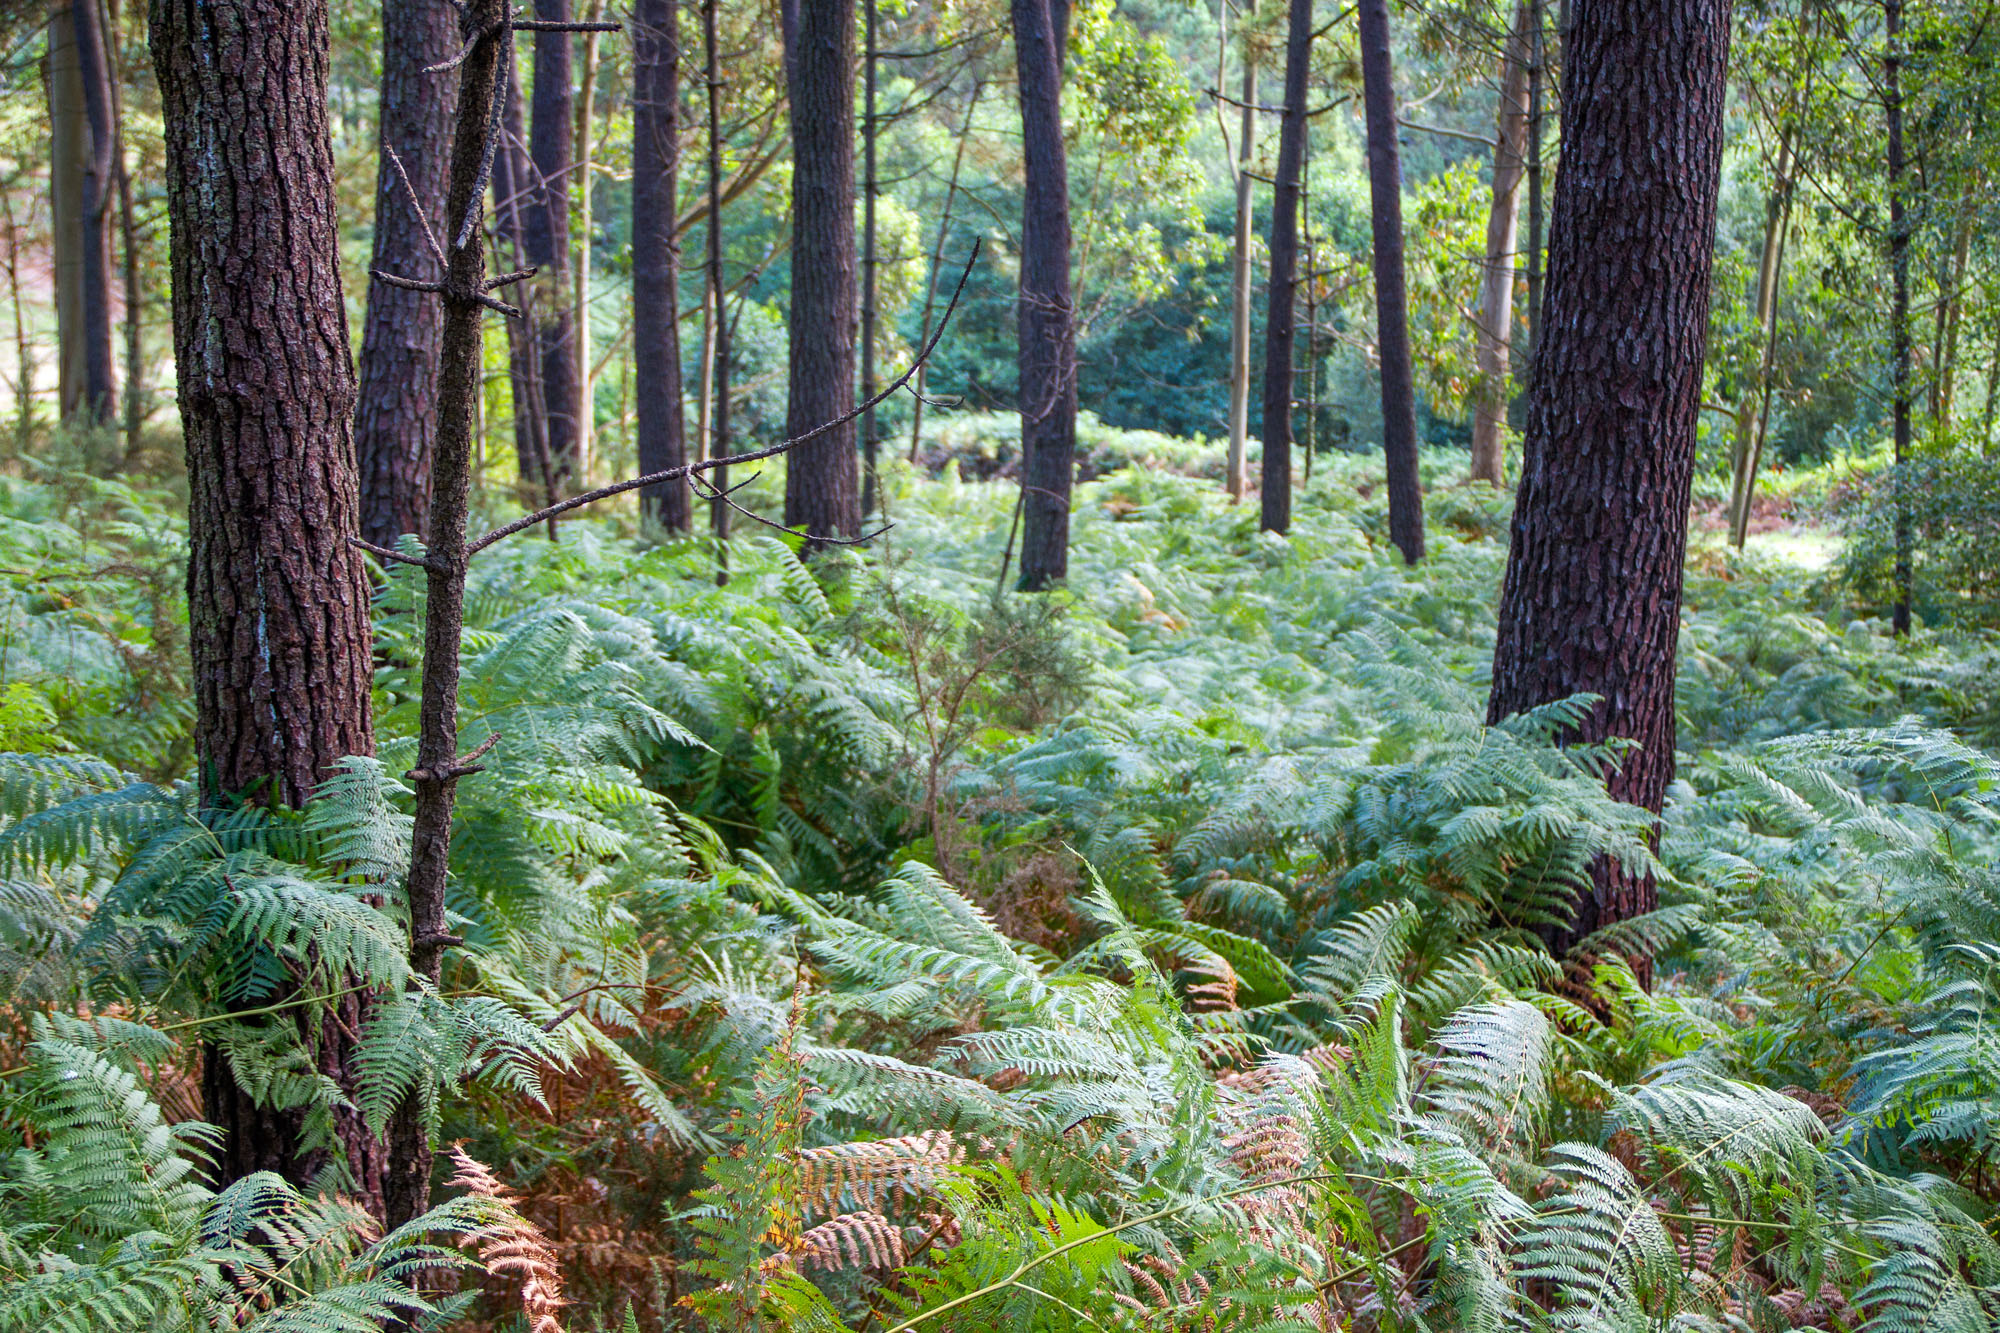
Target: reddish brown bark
x=395, y=421
x=545, y=211
x=277, y=599
x=1593, y=591
x=1280, y=319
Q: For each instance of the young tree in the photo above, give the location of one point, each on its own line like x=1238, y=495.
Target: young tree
x=277, y=598
x=822, y=490
x=1046, y=316
x=1392, y=304
x=1494, y=327
x=720, y=339
x=871, y=257
x=1899, y=301
x=1592, y=601
x=513, y=174
x=551, y=129
x=396, y=420
x=1280, y=321
x=1238, y=480
x=656, y=343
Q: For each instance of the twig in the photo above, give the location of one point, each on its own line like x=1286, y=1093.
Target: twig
x=711, y=493
x=416, y=206
x=384, y=553
x=465, y=51
x=756, y=455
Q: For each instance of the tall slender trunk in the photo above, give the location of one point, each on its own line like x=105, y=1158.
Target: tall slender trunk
x=1280, y=319
x=718, y=434
x=586, y=106
x=128, y=245
x=551, y=144
x=396, y=419
x=277, y=599
x=513, y=176
x=1992, y=395
x=24, y=351
x=656, y=341
x=1537, y=232
x=1952, y=308
x=821, y=486
x=1899, y=305
x=100, y=177
x=1045, y=311
x=1592, y=602
x=1392, y=306
x=1494, y=330
x=438, y=768
x=1754, y=404
x=937, y=264
x=1239, y=277
x=870, y=263
x=69, y=152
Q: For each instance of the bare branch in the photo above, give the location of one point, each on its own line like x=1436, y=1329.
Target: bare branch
x=407, y=284
x=385, y=553
x=416, y=205
x=466, y=50
x=783, y=446
x=705, y=489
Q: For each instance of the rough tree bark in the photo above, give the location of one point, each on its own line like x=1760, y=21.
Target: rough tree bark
x=1494, y=330
x=1280, y=320
x=1045, y=314
x=1899, y=303
x=718, y=292
x=396, y=419
x=656, y=343
x=551, y=126
x=100, y=178
x=1593, y=589
x=821, y=483
x=1392, y=306
x=79, y=236
x=277, y=599
x=1239, y=276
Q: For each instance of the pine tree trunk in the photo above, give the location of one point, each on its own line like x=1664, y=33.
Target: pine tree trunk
x=1592, y=601
x=822, y=486
x=277, y=599
x=1239, y=279
x=69, y=153
x=1494, y=332
x=396, y=420
x=871, y=261
x=1392, y=306
x=1538, y=56
x=1046, y=317
x=100, y=178
x=513, y=188
x=1280, y=319
x=718, y=292
x=656, y=343
x=1899, y=305
x=581, y=346
x=551, y=124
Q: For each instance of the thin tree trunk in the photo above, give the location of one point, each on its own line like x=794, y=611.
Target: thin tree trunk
x=24, y=351
x=277, y=599
x=513, y=174
x=1899, y=305
x=870, y=265
x=718, y=436
x=1392, y=306
x=128, y=243
x=1280, y=318
x=586, y=377
x=1494, y=331
x=551, y=125
x=1046, y=315
x=937, y=264
x=1592, y=602
x=1537, y=232
x=396, y=419
x=1753, y=408
x=1239, y=279
x=656, y=341
x=821, y=486
x=100, y=176
x=1952, y=310
x=69, y=151
x=438, y=766
x=1992, y=394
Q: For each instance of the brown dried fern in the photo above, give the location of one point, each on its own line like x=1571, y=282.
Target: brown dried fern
x=511, y=1246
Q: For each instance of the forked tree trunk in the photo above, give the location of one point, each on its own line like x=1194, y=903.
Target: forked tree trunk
x=1045, y=313
x=396, y=421
x=550, y=147
x=656, y=343
x=1280, y=319
x=1239, y=277
x=1392, y=305
x=822, y=485
x=277, y=599
x=1493, y=334
x=1592, y=602
x=1899, y=306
